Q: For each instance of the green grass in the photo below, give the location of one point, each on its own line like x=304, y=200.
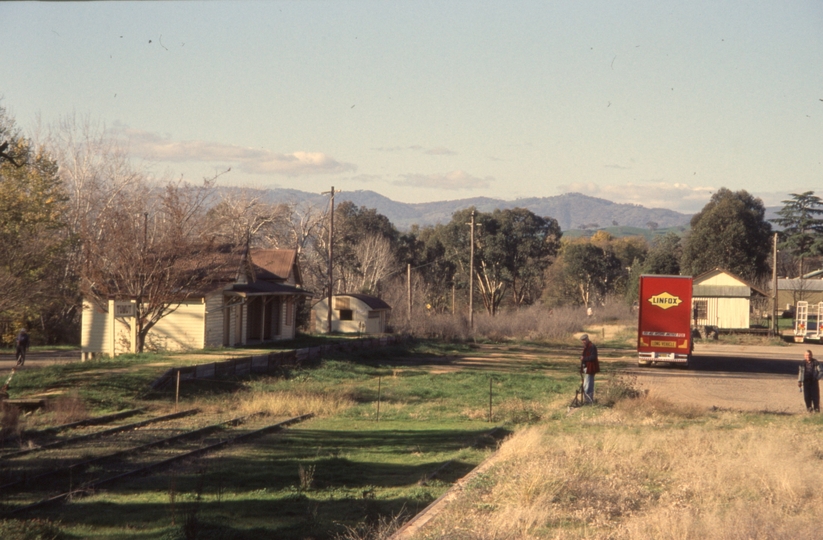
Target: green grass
x=360, y=469
x=432, y=415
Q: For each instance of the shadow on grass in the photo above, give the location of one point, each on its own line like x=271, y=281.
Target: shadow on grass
x=295, y=517
x=256, y=490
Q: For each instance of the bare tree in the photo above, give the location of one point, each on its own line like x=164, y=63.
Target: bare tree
x=376, y=261
x=242, y=217
x=155, y=247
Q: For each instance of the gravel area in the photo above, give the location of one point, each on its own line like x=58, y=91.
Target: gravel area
x=747, y=378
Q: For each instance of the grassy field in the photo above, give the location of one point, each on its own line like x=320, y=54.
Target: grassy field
x=645, y=468
x=632, y=467
x=342, y=473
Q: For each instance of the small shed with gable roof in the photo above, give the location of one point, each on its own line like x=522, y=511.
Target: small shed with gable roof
x=351, y=313
x=722, y=300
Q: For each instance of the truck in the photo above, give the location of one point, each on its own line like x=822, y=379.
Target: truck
x=664, y=332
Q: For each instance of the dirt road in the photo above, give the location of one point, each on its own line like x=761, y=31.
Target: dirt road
x=748, y=378
x=38, y=359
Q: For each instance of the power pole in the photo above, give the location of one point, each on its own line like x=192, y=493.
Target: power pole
x=471, y=276
x=331, y=251
x=775, y=327
x=408, y=289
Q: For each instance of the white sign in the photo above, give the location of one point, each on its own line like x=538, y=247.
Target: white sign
x=123, y=309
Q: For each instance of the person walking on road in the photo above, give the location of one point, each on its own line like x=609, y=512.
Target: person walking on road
x=808, y=374
x=589, y=366
x=22, y=342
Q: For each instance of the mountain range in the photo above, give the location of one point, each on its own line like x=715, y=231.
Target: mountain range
x=571, y=210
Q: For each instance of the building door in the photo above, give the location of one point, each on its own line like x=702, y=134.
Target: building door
x=276, y=310
x=254, y=322
x=267, y=318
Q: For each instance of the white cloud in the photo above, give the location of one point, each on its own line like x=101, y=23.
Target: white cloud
x=155, y=147
x=455, y=180
x=657, y=194
x=365, y=178
x=435, y=151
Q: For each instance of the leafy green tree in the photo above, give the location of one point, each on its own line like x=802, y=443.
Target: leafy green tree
x=731, y=233
x=802, y=233
x=628, y=250
x=513, y=247
x=591, y=271
x=528, y=242
x=664, y=256
x=33, y=235
x=428, y=251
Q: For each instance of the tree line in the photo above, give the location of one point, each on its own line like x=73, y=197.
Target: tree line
x=80, y=222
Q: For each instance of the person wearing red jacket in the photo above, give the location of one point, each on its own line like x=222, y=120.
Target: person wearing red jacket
x=589, y=365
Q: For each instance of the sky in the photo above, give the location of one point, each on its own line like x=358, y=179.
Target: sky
x=658, y=103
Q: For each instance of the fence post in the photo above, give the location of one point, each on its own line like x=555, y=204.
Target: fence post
x=177, y=392
x=490, y=400
x=379, y=381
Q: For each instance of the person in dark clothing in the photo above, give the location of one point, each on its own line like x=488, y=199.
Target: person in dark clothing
x=807, y=375
x=589, y=365
x=22, y=342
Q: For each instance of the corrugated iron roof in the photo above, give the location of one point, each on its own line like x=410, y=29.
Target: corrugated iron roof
x=725, y=291
x=799, y=284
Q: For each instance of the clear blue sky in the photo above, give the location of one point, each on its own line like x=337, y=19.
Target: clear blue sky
x=657, y=103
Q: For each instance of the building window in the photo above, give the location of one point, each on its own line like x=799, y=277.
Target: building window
x=374, y=314
x=701, y=309
x=346, y=315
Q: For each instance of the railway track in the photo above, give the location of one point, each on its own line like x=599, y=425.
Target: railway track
x=80, y=432
x=81, y=464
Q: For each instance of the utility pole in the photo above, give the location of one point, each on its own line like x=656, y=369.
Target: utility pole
x=775, y=327
x=471, y=276
x=408, y=289
x=331, y=251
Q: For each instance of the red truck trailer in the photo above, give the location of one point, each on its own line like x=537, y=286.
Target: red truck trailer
x=664, y=324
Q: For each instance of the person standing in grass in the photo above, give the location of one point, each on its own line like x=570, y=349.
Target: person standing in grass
x=589, y=366
x=807, y=375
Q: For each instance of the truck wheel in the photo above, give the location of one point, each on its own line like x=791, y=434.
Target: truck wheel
x=643, y=364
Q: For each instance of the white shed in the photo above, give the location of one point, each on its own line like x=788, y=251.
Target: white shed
x=351, y=313
x=722, y=300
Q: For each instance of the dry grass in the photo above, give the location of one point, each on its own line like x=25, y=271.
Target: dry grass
x=536, y=323
x=66, y=409
x=648, y=469
x=296, y=402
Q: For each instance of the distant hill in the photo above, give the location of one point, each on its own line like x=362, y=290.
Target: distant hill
x=571, y=210
x=620, y=232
